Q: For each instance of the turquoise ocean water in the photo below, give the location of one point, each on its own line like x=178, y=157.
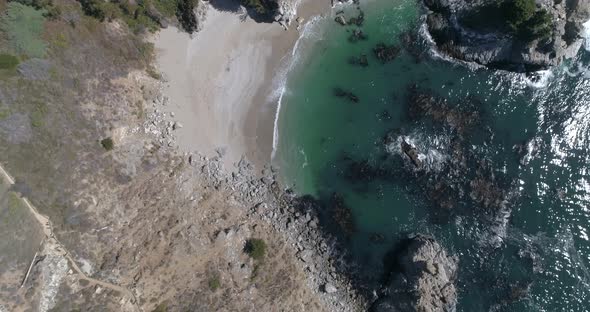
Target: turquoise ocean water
x=535, y=135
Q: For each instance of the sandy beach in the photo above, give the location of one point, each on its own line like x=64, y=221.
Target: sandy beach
x=219, y=81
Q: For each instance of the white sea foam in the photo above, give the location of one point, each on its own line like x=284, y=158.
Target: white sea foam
x=305, y=163
x=309, y=31
x=586, y=35
x=431, y=148
x=337, y=3
x=542, y=79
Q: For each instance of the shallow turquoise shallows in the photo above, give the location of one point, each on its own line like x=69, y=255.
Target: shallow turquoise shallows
x=536, y=135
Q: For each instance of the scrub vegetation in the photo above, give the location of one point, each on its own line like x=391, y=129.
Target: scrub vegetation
x=23, y=28
x=519, y=17
x=255, y=248
x=144, y=15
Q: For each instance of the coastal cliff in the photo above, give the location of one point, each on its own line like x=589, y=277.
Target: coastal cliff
x=514, y=35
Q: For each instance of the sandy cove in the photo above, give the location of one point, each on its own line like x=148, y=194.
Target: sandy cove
x=219, y=82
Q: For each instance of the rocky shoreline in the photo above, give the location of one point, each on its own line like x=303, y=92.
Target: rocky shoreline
x=320, y=255
x=513, y=35
x=423, y=279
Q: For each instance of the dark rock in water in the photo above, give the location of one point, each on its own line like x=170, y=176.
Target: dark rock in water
x=412, y=153
x=487, y=193
x=423, y=279
x=386, y=53
x=362, y=171
x=512, y=293
x=377, y=238
x=519, y=291
x=490, y=33
x=443, y=194
x=339, y=92
x=357, y=35
x=340, y=20
x=410, y=42
x=423, y=103
x=362, y=60
x=346, y=94
x=384, y=115
x=342, y=214
x=358, y=20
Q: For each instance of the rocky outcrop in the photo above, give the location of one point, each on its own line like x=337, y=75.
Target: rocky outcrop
x=412, y=153
x=286, y=12
x=497, y=35
x=423, y=278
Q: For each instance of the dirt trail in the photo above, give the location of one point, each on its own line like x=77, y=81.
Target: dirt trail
x=51, y=239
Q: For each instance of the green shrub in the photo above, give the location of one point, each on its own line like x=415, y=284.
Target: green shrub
x=162, y=307
x=518, y=17
x=4, y=113
x=107, y=144
x=255, y=248
x=214, y=283
x=37, y=117
x=23, y=26
x=518, y=12
x=537, y=27
x=8, y=61
x=93, y=8
x=526, y=21
x=166, y=7
x=135, y=15
x=143, y=15
x=53, y=12
x=37, y=4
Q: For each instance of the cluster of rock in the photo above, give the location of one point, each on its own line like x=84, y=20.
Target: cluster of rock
x=383, y=52
x=358, y=20
x=447, y=171
x=423, y=278
x=319, y=254
x=463, y=176
x=286, y=12
x=161, y=124
x=453, y=26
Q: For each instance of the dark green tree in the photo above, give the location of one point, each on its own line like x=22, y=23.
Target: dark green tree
x=255, y=248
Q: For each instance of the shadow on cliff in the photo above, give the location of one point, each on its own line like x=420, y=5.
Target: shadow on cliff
x=261, y=11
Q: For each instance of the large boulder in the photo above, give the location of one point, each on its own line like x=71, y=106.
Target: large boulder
x=423, y=279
